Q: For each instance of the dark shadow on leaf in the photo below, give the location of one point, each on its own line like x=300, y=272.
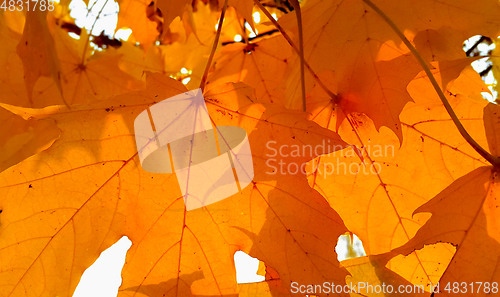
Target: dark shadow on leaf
x=169, y=287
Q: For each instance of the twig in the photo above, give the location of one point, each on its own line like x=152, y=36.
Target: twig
x=92, y=29
x=469, y=53
x=490, y=158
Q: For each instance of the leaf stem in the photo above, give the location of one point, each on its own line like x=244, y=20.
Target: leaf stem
x=296, y=6
x=490, y=158
x=214, y=47
x=292, y=44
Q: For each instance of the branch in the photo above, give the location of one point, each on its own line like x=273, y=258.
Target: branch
x=469, y=52
x=489, y=157
x=91, y=29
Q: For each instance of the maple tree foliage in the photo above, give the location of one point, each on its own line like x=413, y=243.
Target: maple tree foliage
x=373, y=74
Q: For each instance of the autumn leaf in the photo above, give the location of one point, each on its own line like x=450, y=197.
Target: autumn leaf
x=20, y=139
x=463, y=214
x=167, y=58
x=492, y=127
x=120, y=186
x=380, y=175
x=244, y=8
x=384, y=187
x=260, y=65
x=36, y=49
x=12, y=83
x=199, y=45
x=362, y=65
x=133, y=15
x=372, y=271
x=396, y=145
x=367, y=56
x=83, y=77
x=172, y=9
x=437, y=258
x=436, y=45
